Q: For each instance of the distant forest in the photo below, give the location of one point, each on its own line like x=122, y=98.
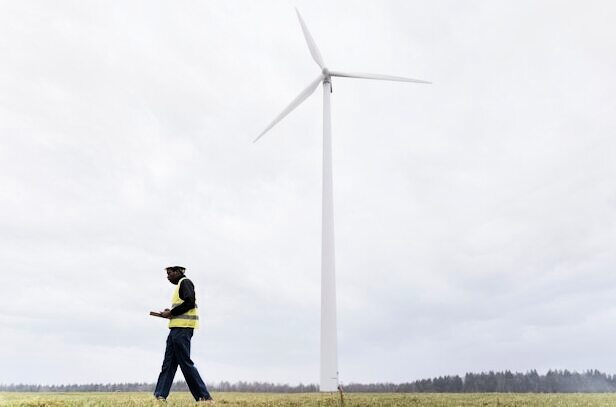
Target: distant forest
x=554, y=381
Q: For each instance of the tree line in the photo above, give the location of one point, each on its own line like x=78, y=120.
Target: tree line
x=260, y=387
x=554, y=381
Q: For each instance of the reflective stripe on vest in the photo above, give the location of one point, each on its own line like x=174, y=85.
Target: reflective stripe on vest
x=184, y=316
x=189, y=319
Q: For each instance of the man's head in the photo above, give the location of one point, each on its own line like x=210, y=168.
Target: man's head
x=175, y=273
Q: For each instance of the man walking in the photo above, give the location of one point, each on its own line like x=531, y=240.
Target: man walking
x=183, y=319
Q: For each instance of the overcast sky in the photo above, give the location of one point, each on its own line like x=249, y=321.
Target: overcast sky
x=475, y=217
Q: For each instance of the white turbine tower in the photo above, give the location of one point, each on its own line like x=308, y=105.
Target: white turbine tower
x=329, y=352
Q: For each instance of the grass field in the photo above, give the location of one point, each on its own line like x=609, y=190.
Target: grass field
x=311, y=399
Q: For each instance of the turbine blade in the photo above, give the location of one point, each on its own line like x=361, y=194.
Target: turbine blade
x=296, y=102
x=376, y=76
x=314, y=51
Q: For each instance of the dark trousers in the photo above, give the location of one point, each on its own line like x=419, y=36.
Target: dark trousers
x=178, y=353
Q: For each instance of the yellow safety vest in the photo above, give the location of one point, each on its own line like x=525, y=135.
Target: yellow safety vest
x=189, y=319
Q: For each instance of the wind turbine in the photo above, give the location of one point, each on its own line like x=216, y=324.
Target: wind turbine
x=329, y=351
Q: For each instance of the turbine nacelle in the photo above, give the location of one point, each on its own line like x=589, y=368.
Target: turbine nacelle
x=327, y=77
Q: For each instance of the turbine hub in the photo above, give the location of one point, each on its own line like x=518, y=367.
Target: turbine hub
x=326, y=75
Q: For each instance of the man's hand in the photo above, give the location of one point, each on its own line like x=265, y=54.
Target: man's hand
x=166, y=314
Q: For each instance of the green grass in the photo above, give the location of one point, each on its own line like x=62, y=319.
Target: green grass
x=311, y=400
